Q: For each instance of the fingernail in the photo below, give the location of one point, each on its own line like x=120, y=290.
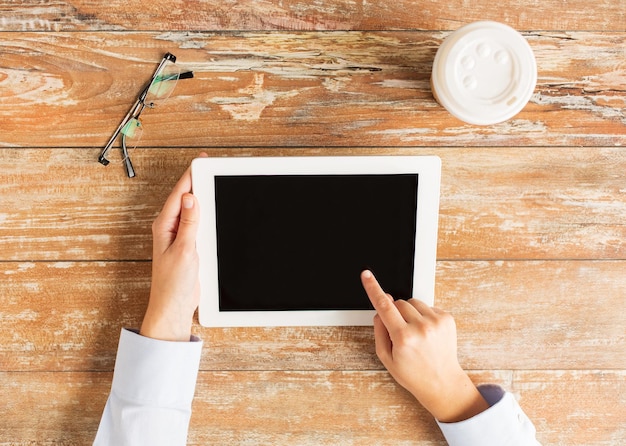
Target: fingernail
x=367, y=274
x=187, y=202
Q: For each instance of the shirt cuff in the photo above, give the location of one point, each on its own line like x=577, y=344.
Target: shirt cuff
x=167, y=371
x=504, y=423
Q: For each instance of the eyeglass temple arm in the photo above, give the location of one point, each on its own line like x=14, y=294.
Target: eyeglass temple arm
x=130, y=170
x=172, y=58
x=102, y=158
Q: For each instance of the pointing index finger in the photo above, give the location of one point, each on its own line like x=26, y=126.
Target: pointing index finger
x=386, y=309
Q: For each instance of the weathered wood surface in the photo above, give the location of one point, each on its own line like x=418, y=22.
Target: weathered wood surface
x=496, y=203
x=33, y=15
x=337, y=89
x=366, y=408
x=66, y=316
x=321, y=408
x=532, y=232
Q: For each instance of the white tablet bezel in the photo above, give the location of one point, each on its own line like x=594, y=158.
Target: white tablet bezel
x=204, y=171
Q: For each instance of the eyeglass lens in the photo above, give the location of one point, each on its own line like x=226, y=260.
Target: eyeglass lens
x=162, y=85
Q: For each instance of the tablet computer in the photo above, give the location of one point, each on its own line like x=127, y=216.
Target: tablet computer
x=282, y=240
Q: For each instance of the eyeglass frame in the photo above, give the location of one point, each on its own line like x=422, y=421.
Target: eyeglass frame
x=135, y=112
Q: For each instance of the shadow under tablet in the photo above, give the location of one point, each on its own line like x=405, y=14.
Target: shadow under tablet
x=300, y=242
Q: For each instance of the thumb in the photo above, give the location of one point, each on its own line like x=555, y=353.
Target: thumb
x=189, y=219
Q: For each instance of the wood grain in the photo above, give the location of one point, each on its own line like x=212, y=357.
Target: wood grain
x=532, y=230
x=496, y=203
x=66, y=316
x=296, y=89
x=321, y=408
x=201, y=15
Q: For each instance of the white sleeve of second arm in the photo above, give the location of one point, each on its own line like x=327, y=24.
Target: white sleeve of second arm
x=503, y=424
x=151, y=393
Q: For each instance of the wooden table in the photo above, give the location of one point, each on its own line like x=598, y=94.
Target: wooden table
x=532, y=240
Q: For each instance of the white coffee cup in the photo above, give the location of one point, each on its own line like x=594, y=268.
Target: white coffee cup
x=484, y=73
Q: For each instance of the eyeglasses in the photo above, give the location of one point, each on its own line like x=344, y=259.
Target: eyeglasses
x=157, y=91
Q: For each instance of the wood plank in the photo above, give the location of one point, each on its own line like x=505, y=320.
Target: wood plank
x=359, y=408
x=536, y=315
x=52, y=408
x=337, y=89
x=575, y=407
x=533, y=203
x=302, y=15
x=79, y=213
x=314, y=408
x=321, y=408
x=510, y=315
x=67, y=316
x=496, y=203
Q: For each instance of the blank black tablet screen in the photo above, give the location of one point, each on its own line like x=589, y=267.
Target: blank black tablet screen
x=299, y=242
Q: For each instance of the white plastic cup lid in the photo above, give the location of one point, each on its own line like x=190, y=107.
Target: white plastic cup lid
x=484, y=73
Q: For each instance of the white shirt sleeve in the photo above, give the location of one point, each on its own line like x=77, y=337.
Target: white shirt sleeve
x=503, y=424
x=151, y=393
